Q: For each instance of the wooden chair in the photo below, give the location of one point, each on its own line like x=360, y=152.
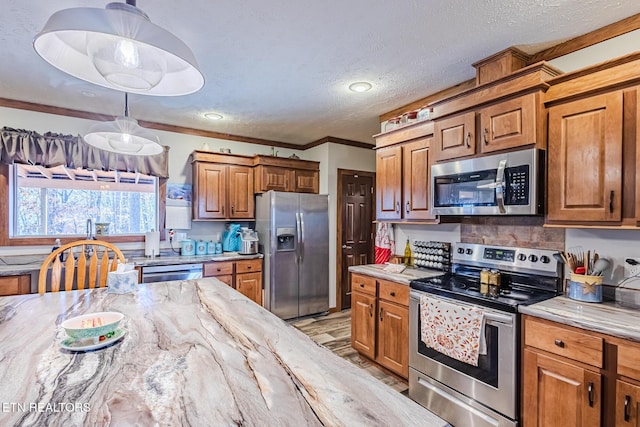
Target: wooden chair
x=77, y=260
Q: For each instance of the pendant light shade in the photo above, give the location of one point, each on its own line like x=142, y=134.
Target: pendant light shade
x=120, y=48
x=124, y=136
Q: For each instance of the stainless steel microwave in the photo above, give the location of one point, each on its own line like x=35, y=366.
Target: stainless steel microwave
x=501, y=184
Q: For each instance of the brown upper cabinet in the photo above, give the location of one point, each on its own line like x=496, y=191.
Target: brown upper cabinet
x=222, y=186
x=585, y=159
x=284, y=174
x=504, y=125
x=403, y=172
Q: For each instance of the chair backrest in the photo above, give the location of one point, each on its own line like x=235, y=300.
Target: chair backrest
x=102, y=258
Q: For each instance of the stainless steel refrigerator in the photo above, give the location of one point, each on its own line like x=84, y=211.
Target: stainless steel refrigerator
x=293, y=233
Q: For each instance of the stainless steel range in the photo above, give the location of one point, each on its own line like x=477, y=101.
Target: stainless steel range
x=486, y=394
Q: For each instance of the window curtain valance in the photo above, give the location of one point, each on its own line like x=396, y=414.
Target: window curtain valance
x=52, y=149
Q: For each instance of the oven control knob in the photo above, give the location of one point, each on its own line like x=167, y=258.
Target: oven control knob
x=522, y=257
x=460, y=250
x=533, y=258
x=544, y=259
x=469, y=251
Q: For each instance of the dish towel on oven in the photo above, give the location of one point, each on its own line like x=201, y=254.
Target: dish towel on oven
x=452, y=329
x=385, y=245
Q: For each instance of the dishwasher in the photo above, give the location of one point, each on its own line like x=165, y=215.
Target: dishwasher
x=166, y=273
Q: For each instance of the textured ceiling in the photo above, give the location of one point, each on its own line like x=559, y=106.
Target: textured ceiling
x=279, y=70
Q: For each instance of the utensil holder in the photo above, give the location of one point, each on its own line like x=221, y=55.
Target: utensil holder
x=585, y=288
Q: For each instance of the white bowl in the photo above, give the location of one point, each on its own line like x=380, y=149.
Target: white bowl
x=110, y=320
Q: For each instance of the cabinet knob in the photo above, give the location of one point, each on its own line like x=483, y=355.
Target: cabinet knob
x=218, y=269
x=468, y=140
x=370, y=310
x=486, y=136
x=590, y=394
x=407, y=207
x=361, y=285
x=381, y=314
x=397, y=207
x=248, y=267
x=393, y=294
x=559, y=343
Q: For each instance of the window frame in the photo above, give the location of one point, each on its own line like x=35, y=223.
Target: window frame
x=5, y=226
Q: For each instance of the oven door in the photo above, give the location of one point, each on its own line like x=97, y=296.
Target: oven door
x=493, y=383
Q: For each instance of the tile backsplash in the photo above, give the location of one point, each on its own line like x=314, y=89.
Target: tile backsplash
x=525, y=231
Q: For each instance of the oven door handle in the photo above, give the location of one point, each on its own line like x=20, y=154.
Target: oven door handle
x=489, y=316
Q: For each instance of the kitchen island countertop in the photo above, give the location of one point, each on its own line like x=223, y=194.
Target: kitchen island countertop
x=196, y=352
x=607, y=318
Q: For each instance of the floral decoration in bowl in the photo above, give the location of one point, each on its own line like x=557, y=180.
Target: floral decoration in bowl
x=92, y=325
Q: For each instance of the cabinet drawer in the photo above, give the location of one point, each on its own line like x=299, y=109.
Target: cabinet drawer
x=218, y=269
x=248, y=266
x=629, y=360
x=363, y=284
x=563, y=341
x=394, y=292
x=14, y=285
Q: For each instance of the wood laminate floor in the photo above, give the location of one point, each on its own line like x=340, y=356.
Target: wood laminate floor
x=334, y=332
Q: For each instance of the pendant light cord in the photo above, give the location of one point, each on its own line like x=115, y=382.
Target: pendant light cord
x=126, y=104
x=131, y=3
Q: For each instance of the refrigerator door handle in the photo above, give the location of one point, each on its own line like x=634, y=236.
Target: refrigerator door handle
x=302, y=237
x=298, y=237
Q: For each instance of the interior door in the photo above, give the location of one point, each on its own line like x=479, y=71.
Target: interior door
x=357, y=243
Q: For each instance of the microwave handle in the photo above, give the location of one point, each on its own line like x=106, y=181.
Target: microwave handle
x=500, y=185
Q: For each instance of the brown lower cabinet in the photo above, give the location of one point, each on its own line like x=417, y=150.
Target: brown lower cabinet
x=575, y=377
x=15, y=285
x=245, y=276
x=380, y=322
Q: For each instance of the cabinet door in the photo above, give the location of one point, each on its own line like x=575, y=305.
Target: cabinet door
x=307, y=181
x=250, y=285
x=509, y=124
x=241, y=201
x=275, y=178
x=559, y=394
x=15, y=285
x=585, y=160
x=627, y=408
x=210, y=192
x=363, y=324
x=454, y=137
x=416, y=179
x=388, y=183
x=393, y=337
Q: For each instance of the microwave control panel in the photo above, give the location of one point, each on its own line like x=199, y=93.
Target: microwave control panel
x=516, y=185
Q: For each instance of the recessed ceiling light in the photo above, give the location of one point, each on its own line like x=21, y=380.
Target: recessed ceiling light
x=213, y=116
x=360, y=86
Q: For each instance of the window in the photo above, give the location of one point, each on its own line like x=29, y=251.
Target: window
x=58, y=201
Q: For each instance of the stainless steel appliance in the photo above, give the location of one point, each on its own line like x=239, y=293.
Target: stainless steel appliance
x=248, y=242
x=293, y=231
x=502, y=184
x=166, y=273
x=486, y=395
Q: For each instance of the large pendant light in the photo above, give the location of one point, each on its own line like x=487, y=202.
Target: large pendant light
x=124, y=136
x=120, y=48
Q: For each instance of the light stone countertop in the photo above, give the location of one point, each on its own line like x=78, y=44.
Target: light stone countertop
x=607, y=318
x=12, y=267
x=196, y=352
x=409, y=274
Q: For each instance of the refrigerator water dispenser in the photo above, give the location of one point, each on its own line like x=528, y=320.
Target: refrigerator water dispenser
x=286, y=241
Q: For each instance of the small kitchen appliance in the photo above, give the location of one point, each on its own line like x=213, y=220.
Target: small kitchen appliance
x=248, y=242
